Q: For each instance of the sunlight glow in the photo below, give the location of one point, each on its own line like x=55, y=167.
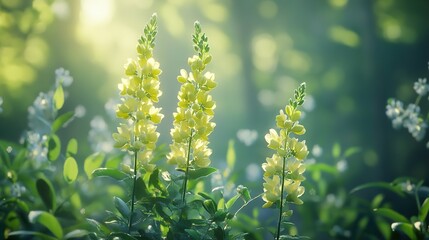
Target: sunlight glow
x=96, y=12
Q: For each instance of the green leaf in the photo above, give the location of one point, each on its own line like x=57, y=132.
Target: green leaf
x=120, y=235
x=406, y=228
x=46, y=192
x=61, y=120
x=383, y=227
x=154, y=181
x=244, y=193
x=230, y=155
x=93, y=162
x=351, y=151
x=70, y=170
x=109, y=172
x=59, y=97
x=78, y=233
x=424, y=210
x=201, y=172
x=383, y=185
x=31, y=233
x=231, y=201
x=391, y=214
x=54, y=147
x=376, y=201
x=71, y=148
x=210, y=206
x=141, y=189
x=336, y=150
x=99, y=226
x=47, y=220
x=323, y=167
x=114, y=162
x=122, y=207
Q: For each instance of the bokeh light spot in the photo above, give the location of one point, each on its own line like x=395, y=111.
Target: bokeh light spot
x=268, y=9
x=344, y=36
x=264, y=50
x=338, y=3
x=215, y=12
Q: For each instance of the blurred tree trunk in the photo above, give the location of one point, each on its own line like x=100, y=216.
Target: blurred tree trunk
x=244, y=13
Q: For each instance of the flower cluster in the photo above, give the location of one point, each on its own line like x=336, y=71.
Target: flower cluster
x=411, y=116
x=139, y=91
x=285, y=167
x=191, y=125
x=41, y=116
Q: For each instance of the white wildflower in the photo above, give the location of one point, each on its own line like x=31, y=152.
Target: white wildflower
x=421, y=87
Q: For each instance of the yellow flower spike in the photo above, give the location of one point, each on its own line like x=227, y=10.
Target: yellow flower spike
x=271, y=190
x=273, y=140
x=130, y=68
x=289, y=110
x=296, y=115
x=283, y=171
x=300, y=150
x=191, y=125
x=122, y=137
x=155, y=115
x=273, y=166
x=298, y=129
x=177, y=155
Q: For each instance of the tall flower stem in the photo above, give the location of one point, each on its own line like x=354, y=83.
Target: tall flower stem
x=281, y=199
x=134, y=192
x=185, y=181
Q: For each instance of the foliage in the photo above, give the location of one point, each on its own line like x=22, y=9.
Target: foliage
x=49, y=191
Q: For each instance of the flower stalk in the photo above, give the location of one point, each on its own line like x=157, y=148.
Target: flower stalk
x=139, y=92
x=283, y=172
x=192, y=121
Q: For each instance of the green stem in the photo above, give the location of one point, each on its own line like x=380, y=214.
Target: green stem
x=134, y=192
x=185, y=181
x=418, y=100
x=281, y=199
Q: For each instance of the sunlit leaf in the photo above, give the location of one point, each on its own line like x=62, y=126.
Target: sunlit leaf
x=406, y=228
x=39, y=235
x=424, y=210
x=59, y=97
x=93, y=162
x=61, y=120
x=336, y=150
x=114, y=162
x=108, y=172
x=322, y=167
x=99, y=226
x=351, y=151
x=383, y=185
x=46, y=192
x=120, y=235
x=70, y=170
x=72, y=146
x=78, y=233
x=230, y=155
x=391, y=214
x=376, y=201
x=201, y=172
x=54, y=147
x=47, y=220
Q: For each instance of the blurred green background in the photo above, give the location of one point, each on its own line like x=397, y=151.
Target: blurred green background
x=353, y=55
